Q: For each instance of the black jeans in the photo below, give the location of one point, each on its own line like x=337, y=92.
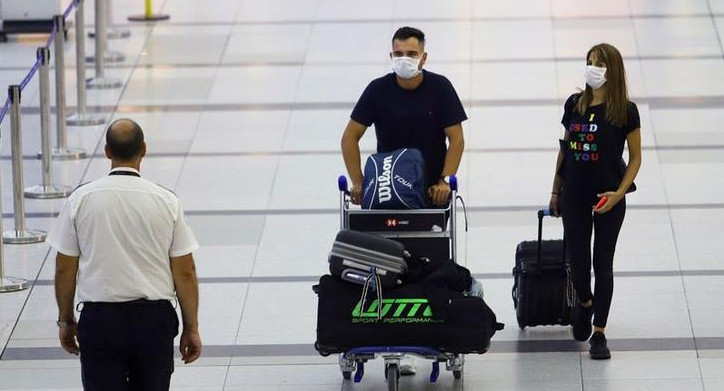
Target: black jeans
x=579, y=223
x=127, y=346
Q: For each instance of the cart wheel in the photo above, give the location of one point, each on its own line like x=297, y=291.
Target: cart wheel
x=393, y=376
x=458, y=375
x=347, y=375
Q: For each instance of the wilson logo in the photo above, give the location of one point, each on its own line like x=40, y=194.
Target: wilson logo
x=394, y=311
x=384, y=186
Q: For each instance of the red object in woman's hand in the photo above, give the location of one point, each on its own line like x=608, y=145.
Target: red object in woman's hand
x=600, y=203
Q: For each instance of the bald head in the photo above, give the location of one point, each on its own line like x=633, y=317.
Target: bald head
x=124, y=140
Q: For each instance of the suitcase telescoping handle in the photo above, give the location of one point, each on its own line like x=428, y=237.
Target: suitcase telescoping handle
x=542, y=213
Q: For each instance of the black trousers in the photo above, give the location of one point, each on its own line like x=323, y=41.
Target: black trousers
x=579, y=224
x=127, y=346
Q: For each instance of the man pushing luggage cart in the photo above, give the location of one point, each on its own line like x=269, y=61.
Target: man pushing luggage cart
x=370, y=308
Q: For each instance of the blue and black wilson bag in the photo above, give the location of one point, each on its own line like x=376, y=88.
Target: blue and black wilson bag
x=394, y=180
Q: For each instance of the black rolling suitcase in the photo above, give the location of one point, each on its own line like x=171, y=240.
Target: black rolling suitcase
x=354, y=254
x=542, y=289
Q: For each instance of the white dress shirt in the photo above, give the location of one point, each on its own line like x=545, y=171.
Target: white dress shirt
x=125, y=229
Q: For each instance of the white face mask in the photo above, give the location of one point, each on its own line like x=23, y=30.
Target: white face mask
x=595, y=76
x=405, y=67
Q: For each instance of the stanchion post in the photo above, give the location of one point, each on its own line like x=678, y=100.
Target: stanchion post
x=82, y=118
x=109, y=56
x=7, y=283
x=112, y=32
x=46, y=190
x=19, y=235
x=101, y=82
x=61, y=152
x=148, y=15
x=115, y=32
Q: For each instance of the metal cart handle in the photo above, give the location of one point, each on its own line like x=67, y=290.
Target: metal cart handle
x=453, y=217
x=453, y=183
x=343, y=195
x=343, y=187
x=342, y=184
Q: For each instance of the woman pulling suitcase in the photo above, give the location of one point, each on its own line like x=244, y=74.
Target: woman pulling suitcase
x=590, y=184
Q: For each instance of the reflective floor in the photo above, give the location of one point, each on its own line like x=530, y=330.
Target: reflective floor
x=243, y=103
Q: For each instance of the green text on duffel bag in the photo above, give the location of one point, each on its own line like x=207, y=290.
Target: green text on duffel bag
x=394, y=311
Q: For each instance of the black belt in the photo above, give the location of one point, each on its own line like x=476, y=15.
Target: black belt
x=132, y=303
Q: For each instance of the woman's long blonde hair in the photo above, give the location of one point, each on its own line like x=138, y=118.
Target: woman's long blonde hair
x=616, y=91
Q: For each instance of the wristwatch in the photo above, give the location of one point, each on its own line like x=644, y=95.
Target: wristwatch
x=64, y=324
x=445, y=178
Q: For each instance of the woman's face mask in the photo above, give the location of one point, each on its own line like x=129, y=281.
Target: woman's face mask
x=405, y=67
x=595, y=76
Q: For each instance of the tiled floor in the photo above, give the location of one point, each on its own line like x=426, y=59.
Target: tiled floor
x=243, y=103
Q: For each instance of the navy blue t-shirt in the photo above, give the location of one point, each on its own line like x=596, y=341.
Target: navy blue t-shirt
x=592, y=154
x=412, y=118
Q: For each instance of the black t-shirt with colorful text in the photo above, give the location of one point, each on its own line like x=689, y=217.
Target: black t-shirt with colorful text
x=412, y=118
x=594, y=149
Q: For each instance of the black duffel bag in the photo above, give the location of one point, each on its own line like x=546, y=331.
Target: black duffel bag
x=403, y=318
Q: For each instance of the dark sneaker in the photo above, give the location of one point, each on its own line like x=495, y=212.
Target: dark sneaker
x=581, y=322
x=408, y=365
x=599, y=347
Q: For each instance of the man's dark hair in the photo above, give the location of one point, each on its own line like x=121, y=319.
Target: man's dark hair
x=406, y=32
x=124, y=138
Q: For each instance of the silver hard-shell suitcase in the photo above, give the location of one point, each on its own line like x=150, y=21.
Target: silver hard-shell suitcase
x=355, y=255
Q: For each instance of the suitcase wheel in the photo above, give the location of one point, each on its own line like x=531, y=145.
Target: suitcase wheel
x=521, y=323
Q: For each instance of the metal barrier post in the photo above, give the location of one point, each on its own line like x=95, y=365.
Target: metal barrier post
x=7, y=283
x=62, y=152
x=148, y=15
x=19, y=235
x=46, y=189
x=109, y=56
x=112, y=32
x=100, y=82
x=82, y=118
x=115, y=32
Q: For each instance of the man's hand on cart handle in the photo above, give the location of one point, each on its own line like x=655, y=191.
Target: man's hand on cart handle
x=439, y=193
x=355, y=193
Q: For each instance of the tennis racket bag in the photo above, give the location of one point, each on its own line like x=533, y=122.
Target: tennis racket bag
x=394, y=180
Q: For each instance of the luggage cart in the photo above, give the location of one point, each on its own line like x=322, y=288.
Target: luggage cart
x=425, y=232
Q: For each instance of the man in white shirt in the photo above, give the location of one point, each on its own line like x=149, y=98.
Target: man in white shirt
x=123, y=241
